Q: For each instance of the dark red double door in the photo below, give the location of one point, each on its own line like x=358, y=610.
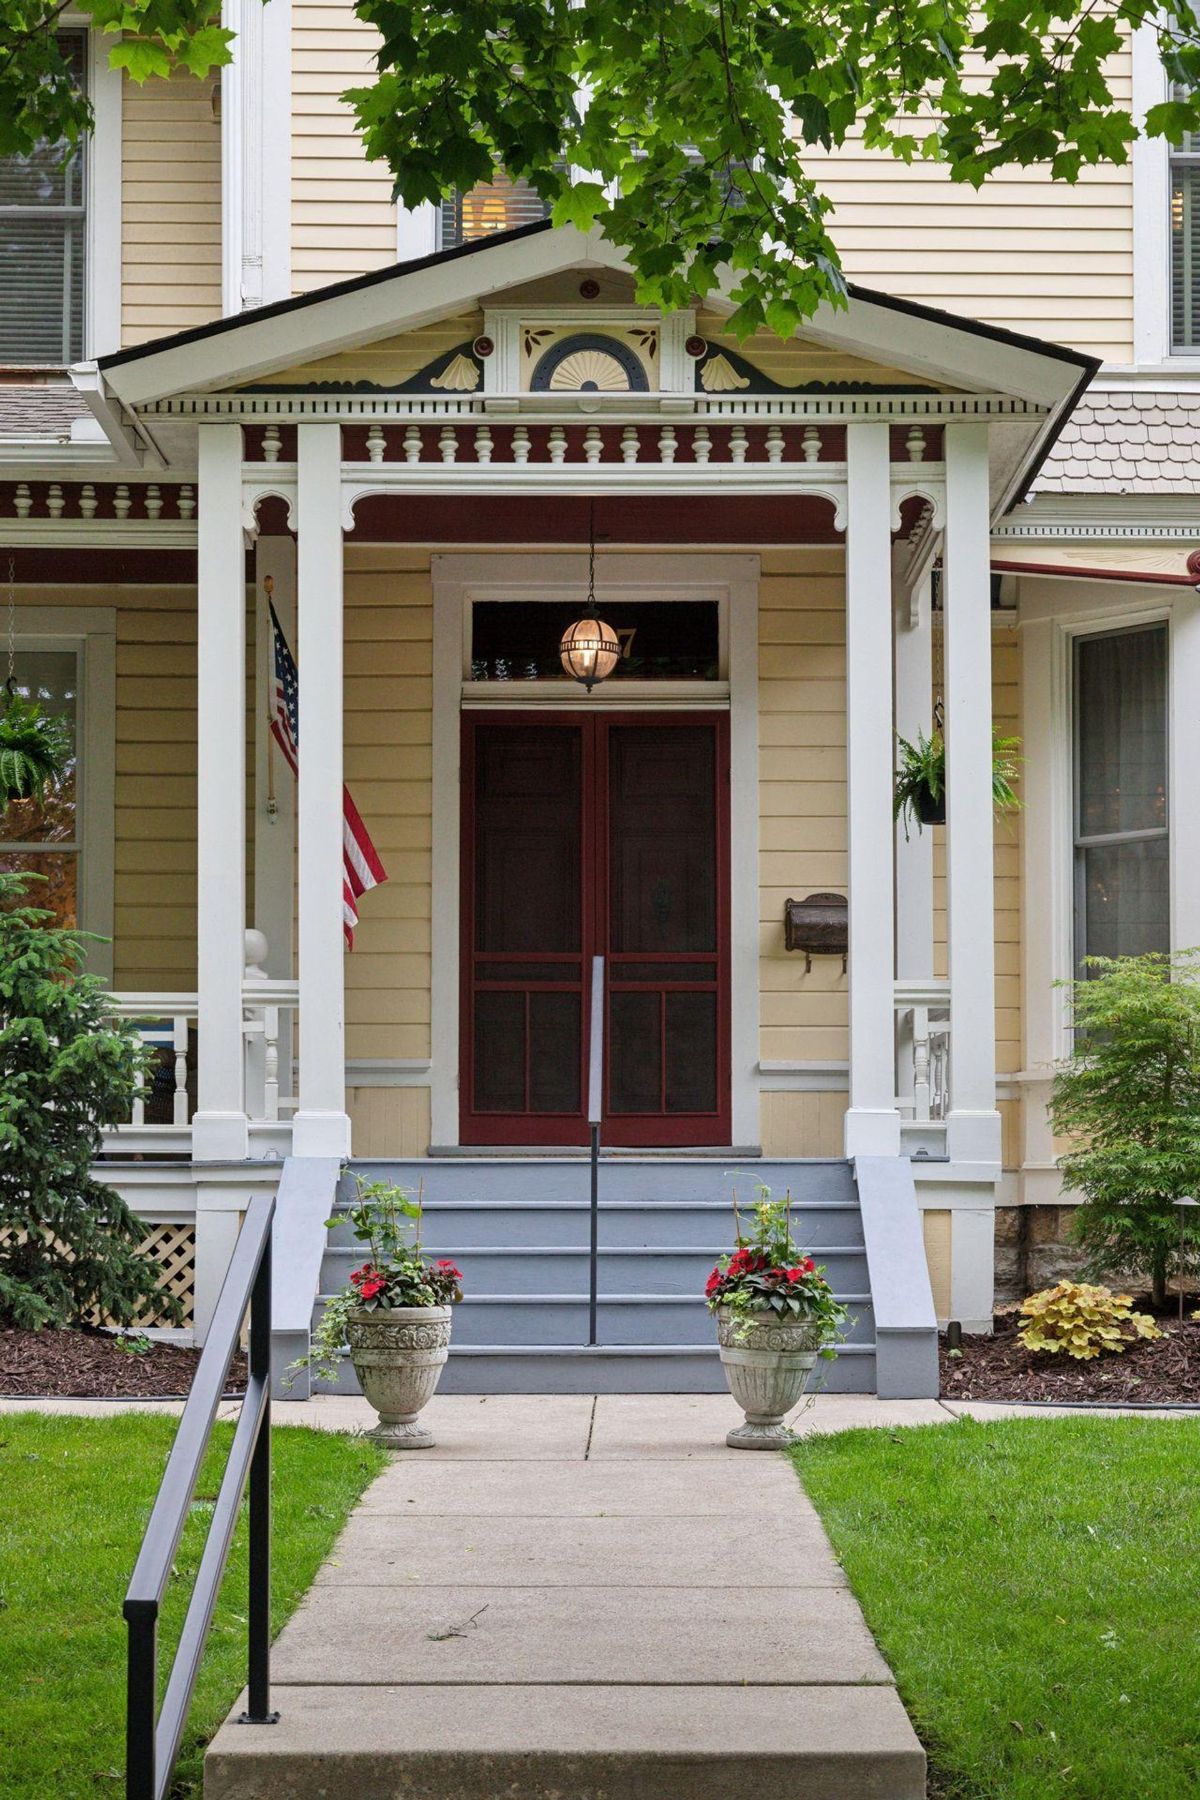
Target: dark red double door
x=588, y=835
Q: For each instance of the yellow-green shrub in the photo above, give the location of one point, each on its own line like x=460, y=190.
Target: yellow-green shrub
x=1083, y=1321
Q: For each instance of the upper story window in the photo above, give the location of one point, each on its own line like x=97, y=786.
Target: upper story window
x=490, y=206
x=1122, y=895
x=1185, y=243
x=43, y=239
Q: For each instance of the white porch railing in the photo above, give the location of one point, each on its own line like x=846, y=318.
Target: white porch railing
x=167, y=1021
x=923, y=1050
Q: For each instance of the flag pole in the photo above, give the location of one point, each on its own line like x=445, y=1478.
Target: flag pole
x=272, y=804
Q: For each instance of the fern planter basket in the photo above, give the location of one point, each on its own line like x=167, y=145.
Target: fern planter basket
x=399, y=1353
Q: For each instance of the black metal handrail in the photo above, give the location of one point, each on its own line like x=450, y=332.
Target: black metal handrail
x=153, y=1736
x=595, y=1114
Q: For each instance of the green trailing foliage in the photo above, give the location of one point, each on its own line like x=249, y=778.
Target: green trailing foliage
x=396, y=1273
x=35, y=748
x=68, y=1244
x=1128, y=1099
x=919, y=794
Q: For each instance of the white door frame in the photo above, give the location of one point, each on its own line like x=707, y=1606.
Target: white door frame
x=624, y=577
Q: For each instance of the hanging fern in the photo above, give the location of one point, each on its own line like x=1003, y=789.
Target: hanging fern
x=35, y=748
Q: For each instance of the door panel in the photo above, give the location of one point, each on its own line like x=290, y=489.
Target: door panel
x=588, y=835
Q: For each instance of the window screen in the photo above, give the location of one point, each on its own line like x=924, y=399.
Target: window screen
x=1185, y=243
x=1121, y=830
x=42, y=245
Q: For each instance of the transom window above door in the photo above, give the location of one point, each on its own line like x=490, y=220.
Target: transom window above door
x=661, y=640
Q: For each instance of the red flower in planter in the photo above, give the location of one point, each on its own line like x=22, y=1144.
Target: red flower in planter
x=713, y=1282
x=369, y=1289
x=449, y=1268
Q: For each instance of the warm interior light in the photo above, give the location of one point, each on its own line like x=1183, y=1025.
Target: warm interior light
x=589, y=651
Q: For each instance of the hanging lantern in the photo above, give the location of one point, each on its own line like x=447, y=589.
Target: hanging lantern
x=590, y=649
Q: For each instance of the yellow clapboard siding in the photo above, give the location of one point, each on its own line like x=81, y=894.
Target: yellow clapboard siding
x=1023, y=251
x=389, y=1121
x=171, y=153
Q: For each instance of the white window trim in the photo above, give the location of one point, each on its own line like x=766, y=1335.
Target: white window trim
x=91, y=632
x=1051, y=620
x=256, y=161
x=102, y=301
x=458, y=581
x=1150, y=162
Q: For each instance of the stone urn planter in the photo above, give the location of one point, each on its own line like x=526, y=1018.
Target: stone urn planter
x=399, y=1353
x=767, y=1363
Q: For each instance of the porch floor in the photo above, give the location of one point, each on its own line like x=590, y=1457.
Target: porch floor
x=654, y=1615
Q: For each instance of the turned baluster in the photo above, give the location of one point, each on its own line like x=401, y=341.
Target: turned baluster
x=701, y=444
x=376, y=444
x=412, y=444
x=179, y=1100
x=810, y=444
x=483, y=445
x=630, y=443
x=593, y=444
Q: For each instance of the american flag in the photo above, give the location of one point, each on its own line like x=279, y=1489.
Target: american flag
x=361, y=867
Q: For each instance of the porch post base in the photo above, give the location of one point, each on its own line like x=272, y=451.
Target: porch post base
x=320, y=1133
x=220, y=1137
x=973, y=1136
x=872, y=1131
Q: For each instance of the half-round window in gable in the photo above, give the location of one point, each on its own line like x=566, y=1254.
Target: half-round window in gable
x=589, y=363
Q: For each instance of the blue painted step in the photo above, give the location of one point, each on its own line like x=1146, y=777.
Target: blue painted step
x=520, y=1229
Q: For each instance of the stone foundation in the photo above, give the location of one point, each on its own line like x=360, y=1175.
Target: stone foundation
x=1034, y=1250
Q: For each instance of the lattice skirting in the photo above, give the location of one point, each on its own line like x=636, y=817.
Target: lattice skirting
x=172, y=1246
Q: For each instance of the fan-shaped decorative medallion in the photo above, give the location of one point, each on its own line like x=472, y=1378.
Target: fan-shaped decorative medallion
x=589, y=363
x=590, y=372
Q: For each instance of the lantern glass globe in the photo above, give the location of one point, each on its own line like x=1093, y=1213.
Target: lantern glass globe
x=590, y=651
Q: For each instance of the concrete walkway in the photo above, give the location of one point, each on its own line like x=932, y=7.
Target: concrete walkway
x=579, y=1598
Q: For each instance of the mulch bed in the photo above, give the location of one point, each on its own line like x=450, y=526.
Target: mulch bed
x=62, y=1365
x=1165, y=1372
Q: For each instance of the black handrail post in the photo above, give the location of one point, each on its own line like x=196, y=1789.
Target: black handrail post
x=595, y=1110
x=141, y=1702
x=258, y=1710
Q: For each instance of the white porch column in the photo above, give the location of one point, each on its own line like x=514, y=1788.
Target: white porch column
x=973, y=1133
x=219, y=1129
x=872, y=1121
x=321, y=1126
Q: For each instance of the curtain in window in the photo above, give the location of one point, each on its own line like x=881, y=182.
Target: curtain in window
x=490, y=206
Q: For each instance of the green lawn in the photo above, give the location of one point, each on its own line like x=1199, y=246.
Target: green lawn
x=74, y=1498
x=1035, y=1585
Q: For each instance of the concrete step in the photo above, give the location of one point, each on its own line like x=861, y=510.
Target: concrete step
x=574, y=1368
x=539, y=1319
x=545, y=1269
x=519, y=1229
x=574, y=1743
x=502, y=1179
x=705, y=1225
